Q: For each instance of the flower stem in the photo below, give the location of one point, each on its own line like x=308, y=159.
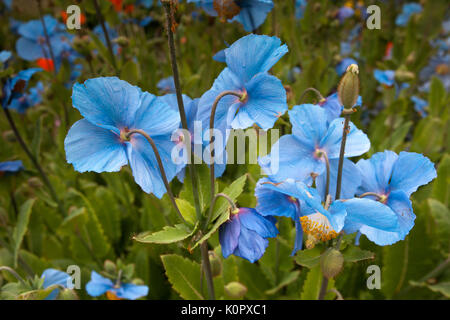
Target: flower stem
x=105, y=32
x=213, y=202
x=184, y=124
x=33, y=160
x=207, y=267
x=47, y=38
x=14, y=273
x=161, y=168
x=317, y=92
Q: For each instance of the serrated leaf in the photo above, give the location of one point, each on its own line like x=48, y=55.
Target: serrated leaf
x=221, y=220
x=355, y=254
x=21, y=227
x=311, y=286
x=234, y=190
x=308, y=257
x=184, y=275
x=169, y=234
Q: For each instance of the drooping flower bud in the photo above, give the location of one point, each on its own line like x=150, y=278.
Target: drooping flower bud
x=235, y=290
x=331, y=263
x=216, y=264
x=348, y=89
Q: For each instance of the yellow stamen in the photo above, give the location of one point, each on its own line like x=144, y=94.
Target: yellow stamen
x=318, y=226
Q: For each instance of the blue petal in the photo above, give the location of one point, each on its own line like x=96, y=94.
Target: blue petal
x=253, y=13
x=298, y=244
x=338, y=214
x=253, y=54
x=52, y=277
x=11, y=166
x=251, y=245
x=29, y=50
x=399, y=202
x=371, y=213
x=357, y=141
x=131, y=291
x=91, y=148
x=229, y=235
x=98, y=285
x=252, y=220
x=144, y=166
x=376, y=172
x=411, y=171
x=309, y=124
x=351, y=180
x=266, y=102
x=272, y=202
x=107, y=101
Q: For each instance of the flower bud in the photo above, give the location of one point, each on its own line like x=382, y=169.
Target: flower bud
x=216, y=264
x=403, y=75
x=331, y=263
x=348, y=89
x=235, y=290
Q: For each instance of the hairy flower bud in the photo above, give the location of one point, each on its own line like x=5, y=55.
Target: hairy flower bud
x=235, y=290
x=403, y=75
x=331, y=263
x=348, y=89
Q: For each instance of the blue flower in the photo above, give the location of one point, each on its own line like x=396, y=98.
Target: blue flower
x=30, y=99
x=251, y=15
x=14, y=87
x=385, y=77
x=99, y=285
x=393, y=178
x=10, y=167
x=301, y=155
x=166, y=85
x=438, y=66
x=32, y=43
x=111, y=107
x=245, y=234
x=5, y=56
x=300, y=7
x=294, y=199
x=407, y=11
x=342, y=66
x=345, y=12
x=420, y=105
x=54, y=277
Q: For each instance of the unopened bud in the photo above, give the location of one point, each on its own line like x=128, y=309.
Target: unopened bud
x=404, y=76
x=216, y=264
x=331, y=263
x=235, y=290
x=348, y=89
x=122, y=41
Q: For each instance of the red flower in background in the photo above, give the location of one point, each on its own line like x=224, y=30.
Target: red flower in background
x=46, y=64
x=64, y=17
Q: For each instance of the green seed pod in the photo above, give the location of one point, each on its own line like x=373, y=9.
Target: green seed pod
x=235, y=290
x=216, y=264
x=348, y=89
x=331, y=263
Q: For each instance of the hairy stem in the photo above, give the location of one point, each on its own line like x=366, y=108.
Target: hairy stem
x=161, y=168
x=207, y=268
x=317, y=92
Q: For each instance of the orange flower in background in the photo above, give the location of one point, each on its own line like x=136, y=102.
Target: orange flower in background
x=117, y=5
x=46, y=64
x=64, y=17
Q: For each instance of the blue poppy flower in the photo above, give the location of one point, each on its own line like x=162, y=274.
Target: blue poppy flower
x=300, y=7
x=32, y=43
x=393, y=178
x=407, y=11
x=166, y=85
x=52, y=277
x=10, y=167
x=14, y=87
x=30, y=99
x=342, y=66
x=385, y=77
x=420, y=105
x=300, y=155
x=111, y=107
x=294, y=199
x=99, y=285
x=245, y=234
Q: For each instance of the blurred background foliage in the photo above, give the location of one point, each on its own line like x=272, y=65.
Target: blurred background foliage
x=102, y=212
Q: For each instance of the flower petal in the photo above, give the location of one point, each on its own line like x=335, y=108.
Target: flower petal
x=229, y=236
x=251, y=245
x=98, y=285
x=131, y=291
x=252, y=220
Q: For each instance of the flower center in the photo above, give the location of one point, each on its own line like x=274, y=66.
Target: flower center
x=318, y=226
x=244, y=97
x=112, y=296
x=124, y=136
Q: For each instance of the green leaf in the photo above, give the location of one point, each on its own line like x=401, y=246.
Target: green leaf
x=222, y=219
x=21, y=227
x=233, y=191
x=36, y=143
x=355, y=254
x=440, y=190
x=187, y=210
x=308, y=258
x=443, y=287
x=184, y=275
x=167, y=235
x=441, y=216
x=287, y=280
x=203, y=183
x=311, y=287
x=130, y=72
x=436, y=97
